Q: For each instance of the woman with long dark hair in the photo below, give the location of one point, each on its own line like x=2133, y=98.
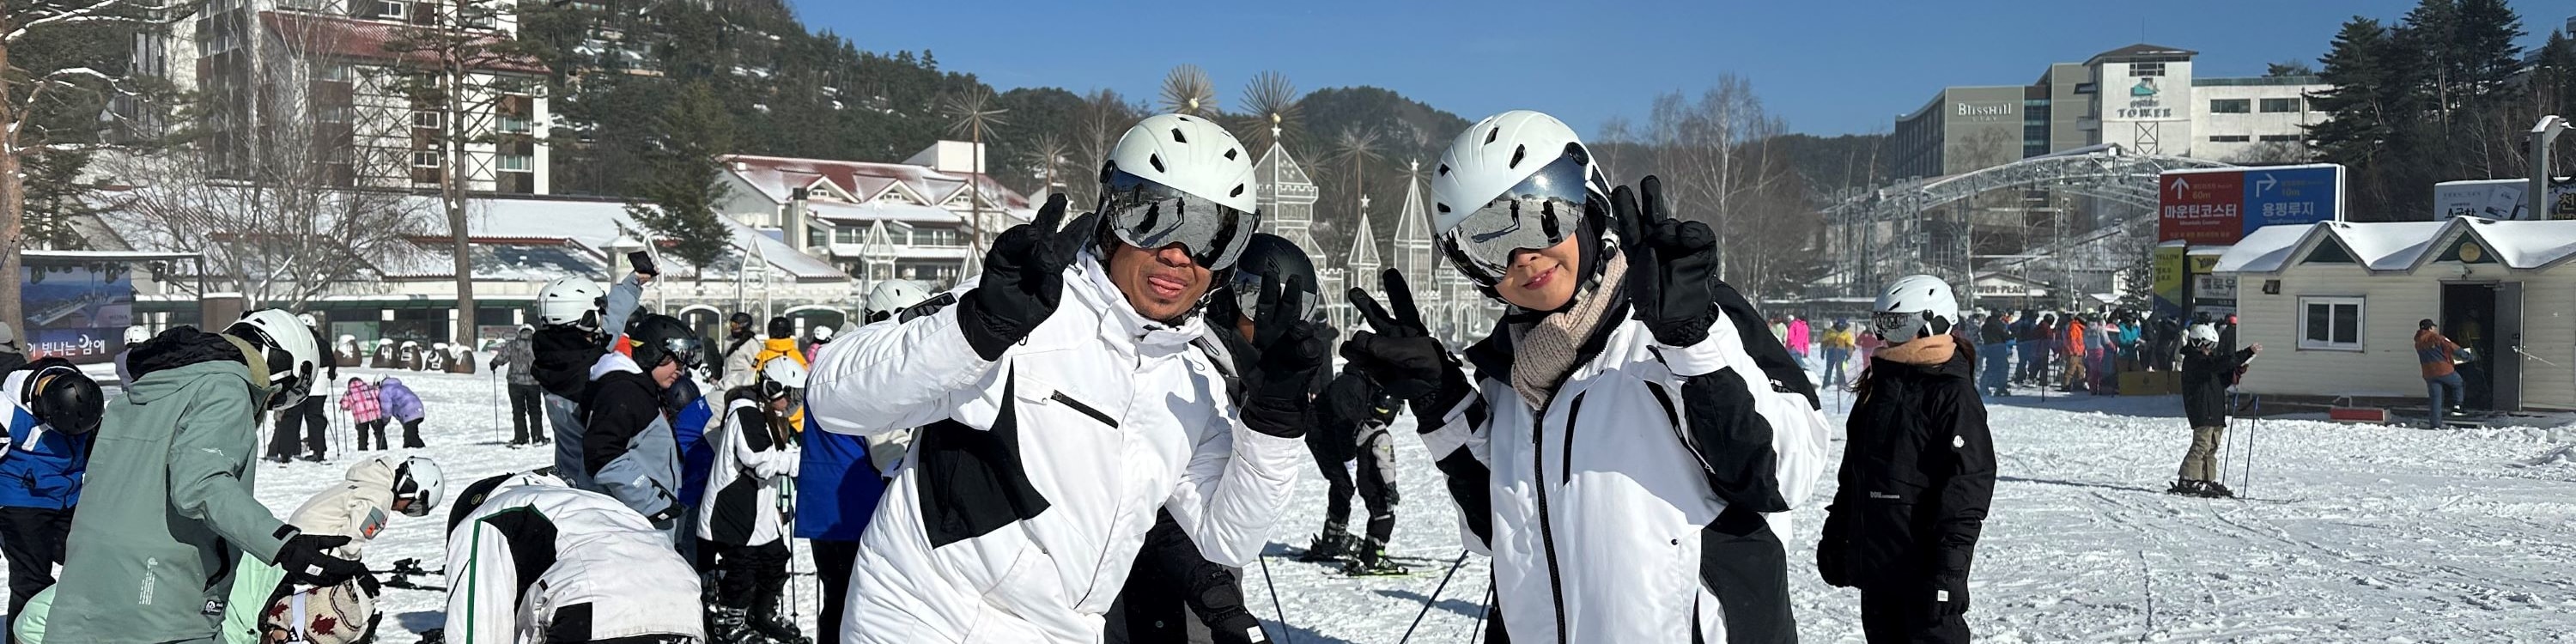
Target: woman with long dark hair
x=1917, y=473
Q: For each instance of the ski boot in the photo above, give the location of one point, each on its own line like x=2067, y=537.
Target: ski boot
x=731, y=625
x=2213, y=490
x=1373, y=562
x=2184, y=487
x=1328, y=546
x=777, y=628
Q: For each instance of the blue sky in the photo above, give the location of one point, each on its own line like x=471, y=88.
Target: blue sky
x=1828, y=66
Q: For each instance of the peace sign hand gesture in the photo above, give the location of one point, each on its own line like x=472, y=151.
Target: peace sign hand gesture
x=1399, y=354
x=1287, y=350
x=1671, y=265
x=1023, y=280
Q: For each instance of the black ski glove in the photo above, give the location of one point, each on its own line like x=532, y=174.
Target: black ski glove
x=1399, y=354
x=1831, y=553
x=1023, y=280
x=1288, y=350
x=1949, y=595
x=305, y=561
x=1671, y=265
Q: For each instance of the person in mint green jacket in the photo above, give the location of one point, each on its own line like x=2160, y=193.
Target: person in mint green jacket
x=169, y=506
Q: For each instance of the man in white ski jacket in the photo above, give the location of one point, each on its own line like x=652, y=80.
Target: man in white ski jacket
x=530, y=560
x=1060, y=402
x=1632, y=440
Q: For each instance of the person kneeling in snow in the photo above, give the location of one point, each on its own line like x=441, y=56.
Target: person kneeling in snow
x=531, y=560
x=171, y=506
x=369, y=495
x=1916, y=475
x=744, y=516
x=1060, y=403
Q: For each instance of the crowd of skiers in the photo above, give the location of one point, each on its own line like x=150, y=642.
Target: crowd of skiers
x=1086, y=442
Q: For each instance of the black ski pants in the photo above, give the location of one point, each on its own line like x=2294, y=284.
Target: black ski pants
x=1377, y=485
x=527, y=414
x=750, y=577
x=832, y=561
x=1902, y=614
x=32, y=539
x=306, y=418
x=1337, y=495
x=411, y=434
x=375, y=428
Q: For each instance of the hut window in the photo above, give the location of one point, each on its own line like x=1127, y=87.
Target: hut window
x=2330, y=323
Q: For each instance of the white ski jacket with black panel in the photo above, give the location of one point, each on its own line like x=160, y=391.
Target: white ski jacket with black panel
x=742, y=505
x=1032, y=479
x=541, y=562
x=1646, y=501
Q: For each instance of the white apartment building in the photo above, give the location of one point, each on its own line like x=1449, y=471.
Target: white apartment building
x=877, y=220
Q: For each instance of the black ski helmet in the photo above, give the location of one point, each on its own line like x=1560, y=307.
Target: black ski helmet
x=780, y=328
x=1272, y=258
x=63, y=397
x=661, y=337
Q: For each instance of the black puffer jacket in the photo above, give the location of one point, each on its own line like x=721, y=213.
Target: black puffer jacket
x=1345, y=405
x=2205, y=377
x=1916, y=477
x=564, y=358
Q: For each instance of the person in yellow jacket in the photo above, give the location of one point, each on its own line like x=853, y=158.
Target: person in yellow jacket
x=781, y=343
x=1838, y=344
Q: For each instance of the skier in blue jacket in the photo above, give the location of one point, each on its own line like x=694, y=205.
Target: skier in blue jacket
x=53, y=418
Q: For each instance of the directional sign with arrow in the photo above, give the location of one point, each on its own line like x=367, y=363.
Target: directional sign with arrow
x=2220, y=206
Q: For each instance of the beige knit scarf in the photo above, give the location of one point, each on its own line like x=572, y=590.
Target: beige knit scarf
x=1547, y=349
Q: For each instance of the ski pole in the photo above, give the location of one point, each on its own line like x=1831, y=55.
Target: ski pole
x=1484, y=616
x=1287, y=635
x=496, y=409
x=2247, y=481
x=1433, y=598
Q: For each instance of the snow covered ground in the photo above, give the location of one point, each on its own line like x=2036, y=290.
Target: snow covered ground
x=2352, y=534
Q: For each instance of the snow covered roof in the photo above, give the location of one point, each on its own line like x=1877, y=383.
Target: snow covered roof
x=2265, y=250
x=881, y=210
x=598, y=223
x=2399, y=247
x=776, y=177
x=2524, y=244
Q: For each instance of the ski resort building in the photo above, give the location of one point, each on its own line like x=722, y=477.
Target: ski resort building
x=2335, y=305
x=915, y=220
x=408, y=291
x=351, y=90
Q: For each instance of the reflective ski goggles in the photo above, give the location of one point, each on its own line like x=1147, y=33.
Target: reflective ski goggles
x=1540, y=212
x=1150, y=215
x=1247, y=296
x=1899, y=327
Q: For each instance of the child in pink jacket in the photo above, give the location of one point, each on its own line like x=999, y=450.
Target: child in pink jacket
x=366, y=411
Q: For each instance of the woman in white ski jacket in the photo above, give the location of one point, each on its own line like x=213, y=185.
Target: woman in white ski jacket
x=1632, y=436
x=742, y=517
x=530, y=560
x=1055, y=416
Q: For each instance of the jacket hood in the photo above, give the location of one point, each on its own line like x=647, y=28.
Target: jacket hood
x=390, y=381
x=614, y=363
x=781, y=345
x=564, y=356
x=375, y=472
x=180, y=347
x=172, y=380
x=1094, y=288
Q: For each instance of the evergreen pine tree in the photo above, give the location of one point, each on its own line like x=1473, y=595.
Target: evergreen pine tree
x=680, y=197
x=2359, y=109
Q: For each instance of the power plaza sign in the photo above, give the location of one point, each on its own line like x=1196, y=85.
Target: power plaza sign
x=2217, y=207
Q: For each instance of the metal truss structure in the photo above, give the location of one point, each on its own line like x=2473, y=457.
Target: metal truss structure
x=1903, y=228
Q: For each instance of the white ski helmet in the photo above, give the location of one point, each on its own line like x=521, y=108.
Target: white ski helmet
x=822, y=334
x=571, y=301
x=137, y=334
x=292, y=357
x=419, y=480
x=2201, y=333
x=308, y=320
x=1527, y=175
x=1914, y=306
x=890, y=296
x=1179, y=179
x=781, y=377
